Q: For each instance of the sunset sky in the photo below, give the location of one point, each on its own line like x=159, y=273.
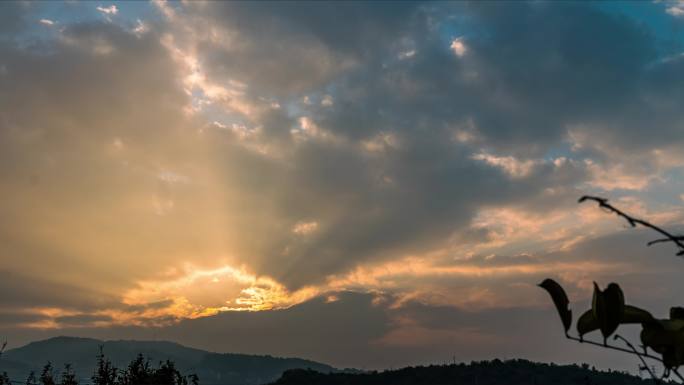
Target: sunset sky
x=369, y=185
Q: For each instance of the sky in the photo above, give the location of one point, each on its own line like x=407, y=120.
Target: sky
x=370, y=185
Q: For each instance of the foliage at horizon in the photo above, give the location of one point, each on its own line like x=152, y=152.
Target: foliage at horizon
x=495, y=372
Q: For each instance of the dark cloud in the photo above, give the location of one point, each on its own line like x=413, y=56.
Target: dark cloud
x=81, y=319
x=21, y=291
x=152, y=305
x=282, y=49
x=10, y=319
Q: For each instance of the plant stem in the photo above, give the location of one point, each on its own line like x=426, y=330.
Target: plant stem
x=655, y=379
x=603, y=203
x=583, y=341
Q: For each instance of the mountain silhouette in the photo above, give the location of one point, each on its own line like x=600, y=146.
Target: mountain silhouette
x=212, y=368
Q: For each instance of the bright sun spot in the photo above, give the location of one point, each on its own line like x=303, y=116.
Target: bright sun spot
x=458, y=47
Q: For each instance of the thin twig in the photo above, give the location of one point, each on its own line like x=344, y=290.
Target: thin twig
x=600, y=344
x=603, y=203
x=661, y=240
x=655, y=379
x=633, y=351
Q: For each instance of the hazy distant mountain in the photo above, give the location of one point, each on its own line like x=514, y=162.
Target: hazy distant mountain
x=513, y=372
x=212, y=368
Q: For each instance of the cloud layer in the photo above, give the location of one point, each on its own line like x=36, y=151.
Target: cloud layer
x=197, y=166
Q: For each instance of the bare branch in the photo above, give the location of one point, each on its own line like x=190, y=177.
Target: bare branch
x=600, y=344
x=603, y=203
x=632, y=350
x=661, y=240
x=643, y=361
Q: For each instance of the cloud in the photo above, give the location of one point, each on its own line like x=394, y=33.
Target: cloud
x=458, y=46
x=369, y=334
x=304, y=228
x=512, y=166
x=676, y=11
x=327, y=101
x=110, y=10
x=178, y=172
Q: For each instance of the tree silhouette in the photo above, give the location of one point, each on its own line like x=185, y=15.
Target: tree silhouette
x=4, y=379
x=47, y=376
x=665, y=337
x=105, y=372
x=31, y=379
x=138, y=372
x=68, y=376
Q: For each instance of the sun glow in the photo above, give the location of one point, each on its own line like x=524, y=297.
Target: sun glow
x=194, y=292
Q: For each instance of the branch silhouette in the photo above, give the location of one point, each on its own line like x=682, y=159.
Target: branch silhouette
x=643, y=361
x=632, y=350
x=603, y=203
x=608, y=311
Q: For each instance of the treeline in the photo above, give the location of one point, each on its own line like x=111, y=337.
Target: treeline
x=496, y=372
x=139, y=372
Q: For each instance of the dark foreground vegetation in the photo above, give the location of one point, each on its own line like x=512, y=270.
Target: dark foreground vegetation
x=139, y=371
x=496, y=372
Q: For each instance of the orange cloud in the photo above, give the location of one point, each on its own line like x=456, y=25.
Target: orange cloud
x=199, y=292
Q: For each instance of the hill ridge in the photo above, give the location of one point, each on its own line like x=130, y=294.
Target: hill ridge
x=212, y=367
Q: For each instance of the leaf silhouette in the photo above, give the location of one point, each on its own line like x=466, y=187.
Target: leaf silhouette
x=635, y=315
x=631, y=315
x=677, y=313
x=608, y=306
x=560, y=299
x=667, y=338
x=656, y=337
x=587, y=323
